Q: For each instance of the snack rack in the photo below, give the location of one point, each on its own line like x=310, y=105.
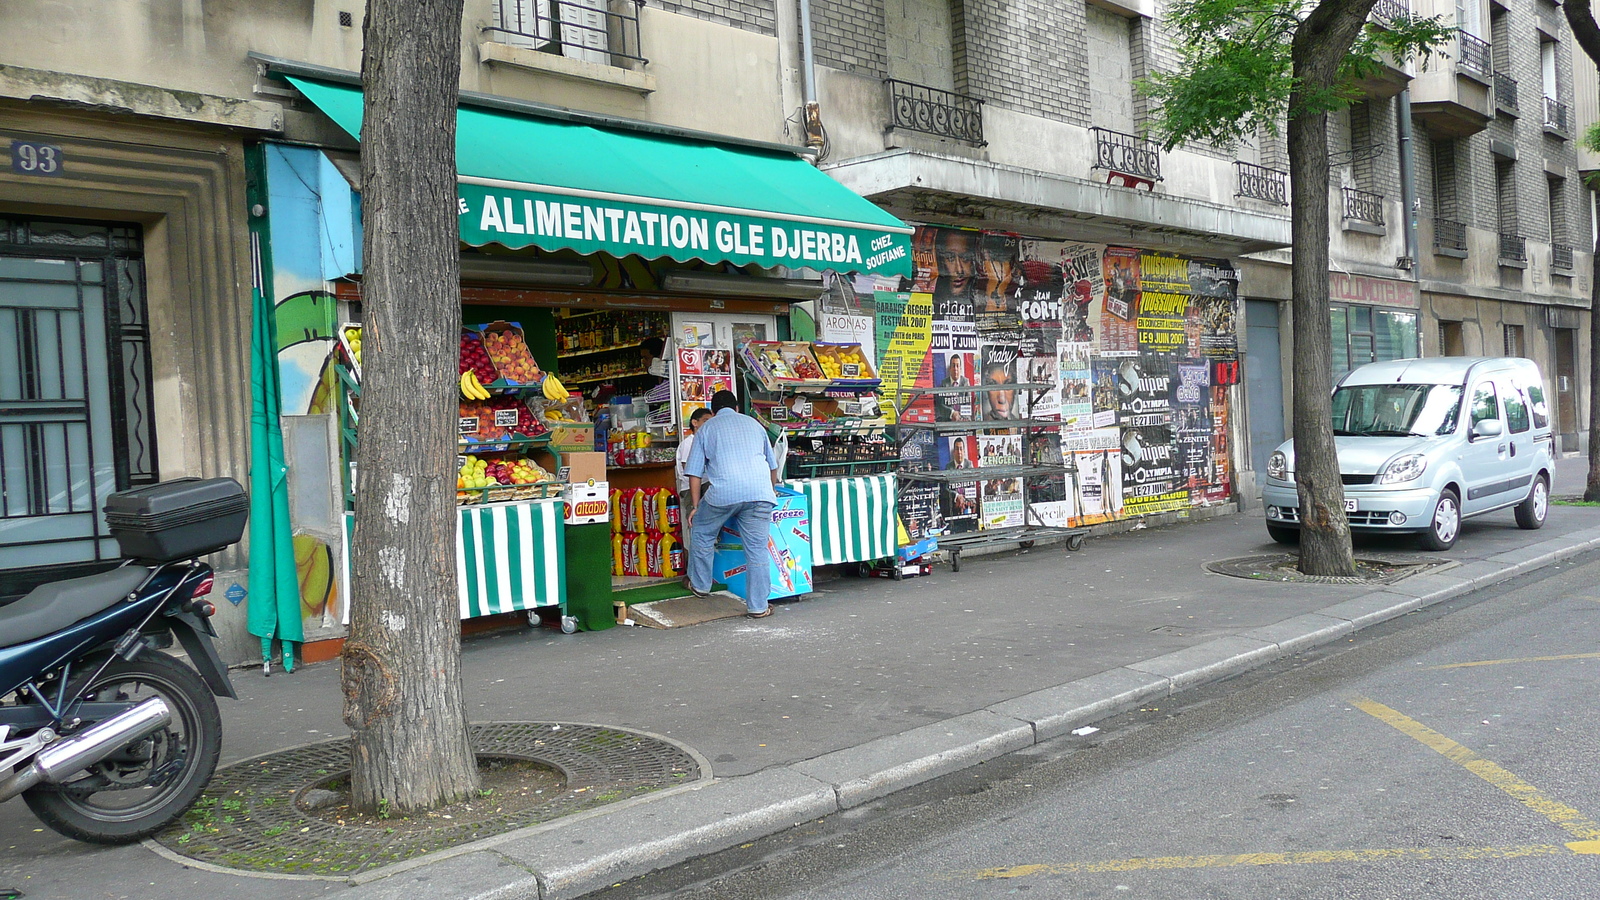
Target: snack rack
x=855, y=439
x=1032, y=528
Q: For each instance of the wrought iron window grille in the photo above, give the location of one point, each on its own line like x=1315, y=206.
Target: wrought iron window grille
x=1561, y=256
x=1505, y=92
x=1475, y=54
x=592, y=30
x=1513, y=247
x=1555, y=114
x=1133, y=160
x=1362, y=206
x=1262, y=183
x=934, y=111
x=1448, y=234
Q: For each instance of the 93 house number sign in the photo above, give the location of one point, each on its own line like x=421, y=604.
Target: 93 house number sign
x=29, y=158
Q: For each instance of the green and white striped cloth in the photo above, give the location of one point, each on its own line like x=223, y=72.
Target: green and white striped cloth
x=509, y=557
x=852, y=518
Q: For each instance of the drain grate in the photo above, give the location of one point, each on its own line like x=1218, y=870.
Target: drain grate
x=249, y=817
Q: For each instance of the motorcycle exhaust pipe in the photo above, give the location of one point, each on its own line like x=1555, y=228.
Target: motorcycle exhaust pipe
x=63, y=759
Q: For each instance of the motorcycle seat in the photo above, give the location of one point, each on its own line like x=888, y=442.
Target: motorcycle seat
x=51, y=607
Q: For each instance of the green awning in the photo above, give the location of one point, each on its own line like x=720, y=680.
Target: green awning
x=555, y=184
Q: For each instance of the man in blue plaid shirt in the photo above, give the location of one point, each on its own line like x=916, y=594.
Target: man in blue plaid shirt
x=732, y=452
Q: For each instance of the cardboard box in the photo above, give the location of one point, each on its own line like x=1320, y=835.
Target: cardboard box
x=788, y=550
x=585, y=468
x=584, y=505
x=572, y=436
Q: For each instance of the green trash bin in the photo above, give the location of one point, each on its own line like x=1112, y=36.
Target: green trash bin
x=589, y=576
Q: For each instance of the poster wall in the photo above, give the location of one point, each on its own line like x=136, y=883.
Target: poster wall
x=1129, y=342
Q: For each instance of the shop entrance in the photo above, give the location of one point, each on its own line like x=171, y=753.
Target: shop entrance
x=75, y=402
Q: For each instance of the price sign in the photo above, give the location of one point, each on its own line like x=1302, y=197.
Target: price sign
x=850, y=370
x=468, y=424
x=28, y=158
x=779, y=413
x=505, y=418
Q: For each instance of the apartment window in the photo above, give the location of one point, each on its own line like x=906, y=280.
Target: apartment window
x=1513, y=340
x=1363, y=334
x=594, y=31
x=1451, y=340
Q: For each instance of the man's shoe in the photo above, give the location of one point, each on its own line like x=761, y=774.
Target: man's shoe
x=694, y=590
x=760, y=615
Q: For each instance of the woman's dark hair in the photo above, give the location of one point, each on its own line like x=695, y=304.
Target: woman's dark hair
x=656, y=347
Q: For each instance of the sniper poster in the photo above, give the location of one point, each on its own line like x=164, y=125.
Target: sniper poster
x=1144, y=391
x=1151, y=477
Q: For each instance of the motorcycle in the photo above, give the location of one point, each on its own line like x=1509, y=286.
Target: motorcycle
x=107, y=738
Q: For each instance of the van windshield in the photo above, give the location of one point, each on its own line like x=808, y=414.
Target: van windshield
x=1396, y=410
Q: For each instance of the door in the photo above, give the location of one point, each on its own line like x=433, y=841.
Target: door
x=1566, y=341
x=1483, y=459
x=522, y=23
x=74, y=394
x=1263, y=374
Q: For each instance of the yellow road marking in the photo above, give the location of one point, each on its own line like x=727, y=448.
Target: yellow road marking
x=1521, y=659
x=1306, y=857
x=1575, y=823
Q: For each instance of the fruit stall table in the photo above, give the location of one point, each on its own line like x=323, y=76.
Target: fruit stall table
x=510, y=557
x=852, y=517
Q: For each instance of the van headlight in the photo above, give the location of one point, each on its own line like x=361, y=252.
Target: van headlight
x=1405, y=468
x=1278, y=466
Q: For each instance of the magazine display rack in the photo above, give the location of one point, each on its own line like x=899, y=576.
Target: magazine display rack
x=1031, y=527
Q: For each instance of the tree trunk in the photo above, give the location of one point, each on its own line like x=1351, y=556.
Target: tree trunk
x=1581, y=19
x=1320, y=44
x=402, y=661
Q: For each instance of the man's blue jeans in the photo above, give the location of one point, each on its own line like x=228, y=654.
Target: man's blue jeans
x=753, y=521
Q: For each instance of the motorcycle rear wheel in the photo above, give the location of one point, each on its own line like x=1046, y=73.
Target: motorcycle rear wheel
x=128, y=810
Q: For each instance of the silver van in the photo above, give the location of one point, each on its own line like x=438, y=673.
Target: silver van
x=1425, y=443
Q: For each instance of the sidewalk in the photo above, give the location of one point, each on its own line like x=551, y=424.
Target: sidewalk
x=864, y=688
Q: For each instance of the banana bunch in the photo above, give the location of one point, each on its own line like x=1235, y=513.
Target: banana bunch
x=555, y=390
x=471, y=387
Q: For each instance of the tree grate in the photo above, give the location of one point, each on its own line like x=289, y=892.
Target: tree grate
x=250, y=816
x=1372, y=568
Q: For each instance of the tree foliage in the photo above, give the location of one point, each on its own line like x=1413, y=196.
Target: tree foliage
x=1236, y=77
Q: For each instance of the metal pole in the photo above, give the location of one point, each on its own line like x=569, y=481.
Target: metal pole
x=1408, y=179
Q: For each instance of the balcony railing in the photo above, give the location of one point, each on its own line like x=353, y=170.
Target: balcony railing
x=597, y=31
x=1561, y=256
x=1262, y=183
x=1389, y=10
x=1555, y=115
x=1363, y=206
x=1513, y=247
x=1448, y=234
x=934, y=111
x=1126, y=155
x=1505, y=92
x=1475, y=54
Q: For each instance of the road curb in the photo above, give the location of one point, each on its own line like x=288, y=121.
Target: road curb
x=606, y=849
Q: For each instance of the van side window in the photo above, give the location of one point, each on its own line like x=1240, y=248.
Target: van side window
x=1536, y=402
x=1516, y=409
x=1484, y=405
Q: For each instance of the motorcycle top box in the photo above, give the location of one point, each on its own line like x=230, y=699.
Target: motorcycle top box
x=178, y=519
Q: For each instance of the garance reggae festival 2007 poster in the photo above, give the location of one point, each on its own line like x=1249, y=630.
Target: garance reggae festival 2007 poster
x=1123, y=341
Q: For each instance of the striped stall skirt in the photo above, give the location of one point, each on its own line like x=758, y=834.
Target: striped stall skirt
x=852, y=518
x=509, y=557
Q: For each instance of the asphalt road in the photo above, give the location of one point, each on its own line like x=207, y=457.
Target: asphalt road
x=1450, y=754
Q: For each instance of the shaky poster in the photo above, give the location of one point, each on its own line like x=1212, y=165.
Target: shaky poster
x=999, y=399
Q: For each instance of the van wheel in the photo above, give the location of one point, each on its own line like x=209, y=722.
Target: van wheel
x=1445, y=526
x=1283, y=535
x=1532, y=510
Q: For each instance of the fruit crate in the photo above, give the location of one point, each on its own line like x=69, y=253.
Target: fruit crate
x=783, y=364
x=507, y=348
x=502, y=493
x=855, y=369
x=475, y=357
x=349, y=341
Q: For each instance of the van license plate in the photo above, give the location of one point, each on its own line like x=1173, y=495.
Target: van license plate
x=1349, y=505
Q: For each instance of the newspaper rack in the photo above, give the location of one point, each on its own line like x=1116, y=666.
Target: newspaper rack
x=1032, y=528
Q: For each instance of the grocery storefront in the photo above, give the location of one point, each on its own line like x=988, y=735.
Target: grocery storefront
x=611, y=275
